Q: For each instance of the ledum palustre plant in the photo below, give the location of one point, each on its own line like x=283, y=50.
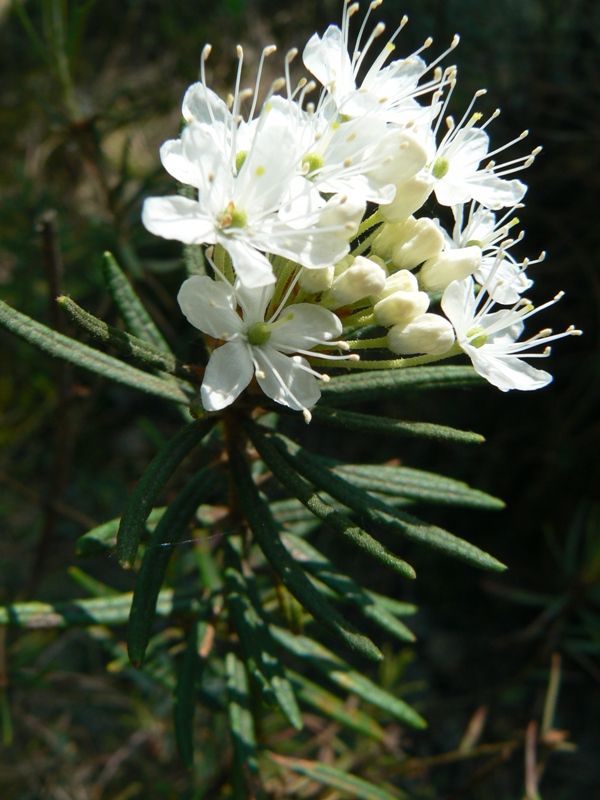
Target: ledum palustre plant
x=344, y=237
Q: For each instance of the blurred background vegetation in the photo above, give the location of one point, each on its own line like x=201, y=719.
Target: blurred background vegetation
x=89, y=91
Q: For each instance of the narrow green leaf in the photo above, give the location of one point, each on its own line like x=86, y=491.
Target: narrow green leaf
x=132, y=347
x=336, y=778
x=184, y=700
x=307, y=495
x=168, y=532
x=241, y=722
x=331, y=706
x=103, y=538
x=255, y=638
x=90, y=584
x=339, y=672
x=293, y=577
x=416, y=485
x=91, y=611
x=375, y=512
x=83, y=356
x=345, y=390
x=393, y=428
x=348, y=590
x=135, y=315
x=150, y=484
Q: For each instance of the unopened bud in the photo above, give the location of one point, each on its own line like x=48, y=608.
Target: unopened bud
x=451, y=265
x=387, y=238
x=430, y=333
x=401, y=281
x=425, y=242
x=316, y=280
x=362, y=279
x=400, y=308
x=410, y=196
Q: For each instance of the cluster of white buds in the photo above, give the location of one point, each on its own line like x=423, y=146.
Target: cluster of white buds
x=280, y=187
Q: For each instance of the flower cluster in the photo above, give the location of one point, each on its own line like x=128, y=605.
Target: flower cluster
x=278, y=187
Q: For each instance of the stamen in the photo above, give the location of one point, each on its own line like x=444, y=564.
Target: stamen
x=289, y=57
x=266, y=52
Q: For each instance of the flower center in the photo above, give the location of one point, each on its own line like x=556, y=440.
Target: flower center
x=259, y=333
x=440, y=167
x=232, y=217
x=477, y=336
x=311, y=163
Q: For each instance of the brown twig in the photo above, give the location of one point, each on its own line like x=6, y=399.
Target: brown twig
x=61, y=439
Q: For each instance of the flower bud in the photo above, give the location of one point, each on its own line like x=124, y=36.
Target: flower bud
x=316, y=280
x=410, y=196
x=362, y=279
x=401, y=281
x=387, y=238
x=451, y=265
x=425, y=241
x=430, y=333
x=399, y=308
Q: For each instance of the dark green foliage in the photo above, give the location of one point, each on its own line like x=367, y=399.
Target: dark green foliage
x=159, y=471
x=171, y=528
x=263, y=527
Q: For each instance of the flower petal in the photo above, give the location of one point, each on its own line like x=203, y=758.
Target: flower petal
x=228, y=372
x=252, y=268
x=303, y=325
x=507, y=372
x=254, y=301
x=201, y=104
x=210, y=306
x=494, y=192
x=458, y=304
x=178, y=218
x=283, y=379
x=328, y=60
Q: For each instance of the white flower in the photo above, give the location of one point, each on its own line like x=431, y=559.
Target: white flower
x=503, y=276
x=272, y=349
x=388, y=92
x=251, y=205
x=455, y=164
x=490, y=337
x=362, y=158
